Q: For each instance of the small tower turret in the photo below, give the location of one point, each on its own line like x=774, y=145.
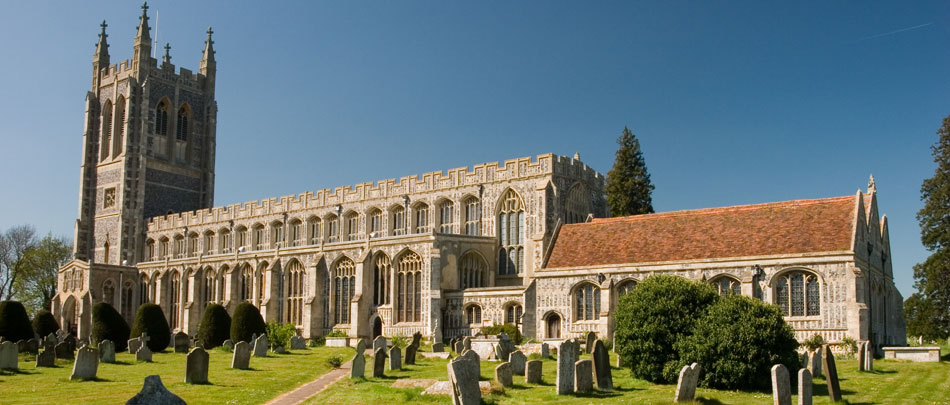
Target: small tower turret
x=100, y=59
x=207, y=66
x=167, y=59
x=142, y=50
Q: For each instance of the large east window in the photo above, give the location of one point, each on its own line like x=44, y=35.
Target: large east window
x=511, y=229
x=798, y=294
x=409, y=288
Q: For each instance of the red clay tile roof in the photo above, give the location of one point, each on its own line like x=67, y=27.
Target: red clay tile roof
x=788, y=227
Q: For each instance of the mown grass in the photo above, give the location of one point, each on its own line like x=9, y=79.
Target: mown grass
x=891, y=382
x=116, y=383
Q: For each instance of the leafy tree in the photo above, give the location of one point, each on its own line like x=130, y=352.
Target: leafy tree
x=36, y=286
x=628, y=183
x=932, y=277
x=659, y=312
x=151, y=320
x=107, y=323
x=14, y=244
x=45, y=323
x=246, y=322
x=14, y=322
x=919, y=313
x=215, y=326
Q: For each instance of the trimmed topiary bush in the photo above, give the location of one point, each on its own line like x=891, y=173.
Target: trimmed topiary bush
x=507, y=328
x=215, y=327
x=14, y=322
x=246, y=322
x=660, y=311
x=151, y=320
x=737, y=342
x=45, y=323
x=107, y=323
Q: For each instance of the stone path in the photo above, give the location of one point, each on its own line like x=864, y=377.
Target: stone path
x=304, y=392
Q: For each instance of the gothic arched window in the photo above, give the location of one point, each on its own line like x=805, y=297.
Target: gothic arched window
x=106, y=141
x=352, y=223
x=586, y=302
x=511, y=230
x=420, y=218
x=174, y=291
x=625, y=287
x=382, y=270
x=374, y=222
x=473, y=272
x=181, y=135
x=333, y=230
x=473, y=216
x=726, y=286
x=513, y=313
x=314, y=231
x=409, y=288
x=578, y=204
x=208, y=288
x=119, y=137
x=295, y=293
x=208, y=243
x=344, y=286
x=108, y=292
x=798, y=294
x=398, y=223
x=277, y=234
x=295, y=236
x=473, y=314
x=446, y=216
x=161, y=128
x=127, y=294
x=247, y=282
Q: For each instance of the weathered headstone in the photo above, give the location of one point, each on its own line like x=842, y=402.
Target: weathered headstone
x=298, y=343
x=8, y=355
x=358, y=367
x=50, y=339
x=21, y=346
x=144, y=354
x=280, y=350
x=686, y=386
x=591, y=338
x=438, y=348
x=463, y=376
x=228, y=343
x=503, y=374
x=196, y=366
x=154, y=392
x=411, y=354
x=380, y=341
x=467, y=343
x=241, y=358
x=395, y=358
x=107, y=351
x=134, y=345
x=545, y=351
x=583, y=376
x=473, y=355
x=182, y=342
x=532, y=373
x=804, y=387
x=781, y=386
x=379, y=362
x=34, y=345
x=868, y=357
x=862, y=351
x=814, y=362
x=260, y=346
x=504, y=347
x=831, y=373
x=602, y=375
x=46, y=358
x=86, y=364
x=459, y=347
x=566, y=357
x=517, y=360
x=64, y=351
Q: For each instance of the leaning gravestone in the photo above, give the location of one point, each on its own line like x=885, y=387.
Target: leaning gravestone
x=517, y=360
x=260, y=346
x=182, y=343
x=380, y=341
x=241, y=359
x=591, y=338
x=107, y=351
x=473, y=355
x=467, y=343
x=463, y=376
x=503, y=374
x=411, y=353
x=8, y=355
x=46, y=358
x=505, y=347
x=379, y=363
x=64, y=351
x=566, y=357
x=781, y=386
x=438, y=348
x=154, y=392
x=134, y=345
x=196, y=366
x=862, y=351
x=395, y=358
x=459, y=347
x=804, y=387
x=601, y=358
x=144, y=354
x=583, y=370
x=868, y=357
x=86, y=364
x=814, y=363
x=358, y=366
x=831, y=374
x=686, y=386
x=532, y=373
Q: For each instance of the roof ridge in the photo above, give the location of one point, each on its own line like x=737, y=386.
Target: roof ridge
x=718, y=210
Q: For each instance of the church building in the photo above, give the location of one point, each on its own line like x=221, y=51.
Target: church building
x=444, y=254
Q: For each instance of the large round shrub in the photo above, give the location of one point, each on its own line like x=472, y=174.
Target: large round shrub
x=151, y=320
x=107, y=323
x=246, y=322
x=215, y=326
x=737, y=342
x=45, y=323
x=660, y=311
x=14, y=322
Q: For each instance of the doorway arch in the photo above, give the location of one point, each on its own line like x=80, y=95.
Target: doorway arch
x=552, y=326
x=377, y=327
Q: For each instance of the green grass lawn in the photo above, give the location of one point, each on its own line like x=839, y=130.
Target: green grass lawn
x=267, y=378
x=891, y=382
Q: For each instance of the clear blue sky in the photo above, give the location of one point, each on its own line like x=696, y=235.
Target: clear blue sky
x=733, y=102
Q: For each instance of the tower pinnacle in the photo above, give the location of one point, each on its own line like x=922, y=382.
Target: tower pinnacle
x=142, y=49
x=167, y=59
x=143, y=24
x=207, y=57
x=102, y=47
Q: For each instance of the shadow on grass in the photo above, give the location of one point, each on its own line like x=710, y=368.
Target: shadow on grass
x=93, y=379
x=121, y=363
x=17, y=372
x=710, y=401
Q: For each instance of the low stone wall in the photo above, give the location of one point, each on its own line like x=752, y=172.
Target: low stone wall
x=923, y=354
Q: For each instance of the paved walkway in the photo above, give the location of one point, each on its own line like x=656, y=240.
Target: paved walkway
x=304, y=392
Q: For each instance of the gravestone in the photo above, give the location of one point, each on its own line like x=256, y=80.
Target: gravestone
x=583, y=376
x=814, y=363
x=532, y=373
x=463, y=376
x=781, y=386
x=862, y=351
x=86, y=364
x=46, y=358
x=868, y=357
x=566, y=357
x=804, y=387
x=182, y=343
x=21, y=346
x=228, y=343
x=545, y=351
x=459, y=347
x=504, y=347
x=601, y=359
x=467, y=343
x=196, y=366
x=395, y=358
x=413, y=348
x=134, y=345
x=503, y=374
x=154, y=392
x=298, y=343
x=379, y=362
x=144, y=354
x=107, y=351
x=260, y=346
x=51, y=340
x=517, y=360
x=358, y=366
x=71, y=341
x=686, y=386
x=473, y=355
x=831, y=373
x=438, y=348
x=280, y=350
x=8, y=355
x=64, y=351
x=379, y=342
x=241, y=359
x=591, y=338
x=34, y=345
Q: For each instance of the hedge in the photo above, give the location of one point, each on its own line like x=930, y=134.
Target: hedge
x=151, y=319
x=107, y=323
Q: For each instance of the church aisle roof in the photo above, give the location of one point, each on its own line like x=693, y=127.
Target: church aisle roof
x=789, y=227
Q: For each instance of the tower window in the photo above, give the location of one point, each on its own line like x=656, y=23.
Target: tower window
x=181, y=136
x=511, y=229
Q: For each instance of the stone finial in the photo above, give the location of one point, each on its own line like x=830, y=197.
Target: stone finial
x=872, y=188
x=577, y=156
x=168, y=57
